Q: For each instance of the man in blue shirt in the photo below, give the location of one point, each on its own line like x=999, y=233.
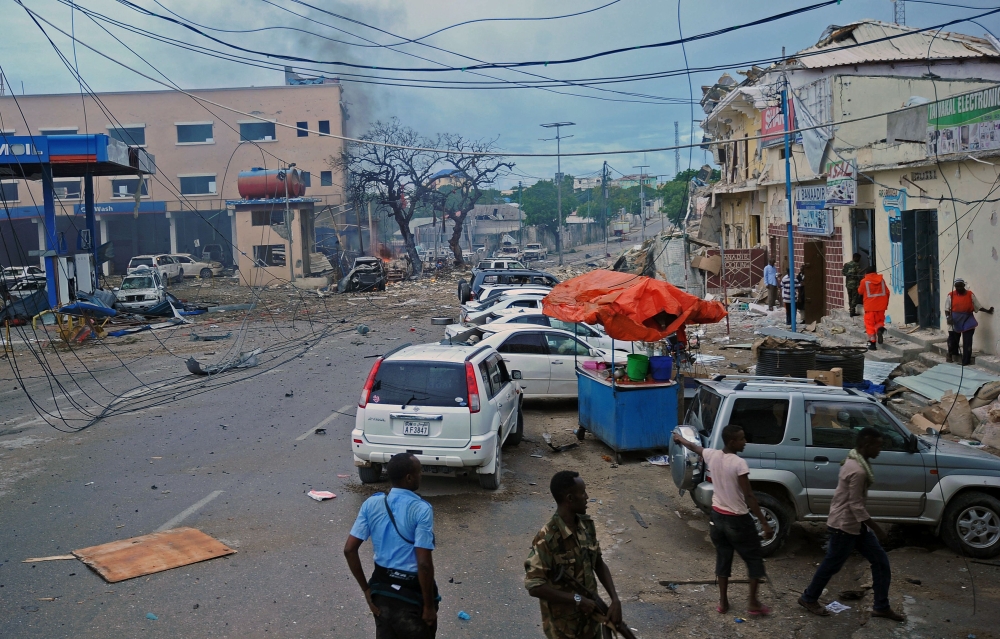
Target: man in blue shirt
x=401, y=592
x=771, y=281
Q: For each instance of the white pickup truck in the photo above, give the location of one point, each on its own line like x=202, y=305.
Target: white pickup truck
x=534, y=252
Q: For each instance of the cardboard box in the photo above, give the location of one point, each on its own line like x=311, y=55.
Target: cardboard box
x=834, y=377
x=712, y=264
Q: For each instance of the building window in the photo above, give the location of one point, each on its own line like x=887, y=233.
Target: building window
x=195, y=133
x=59, y=130
x=267, y=217
x=256, y=131
x=269, y=255
x=197, y=184
x=306, y=178
x=8, y=192
x=326, y=178
x=303, y=129
x=126, y=187
x=324, y=127
x=66, y=189
x=134, y=135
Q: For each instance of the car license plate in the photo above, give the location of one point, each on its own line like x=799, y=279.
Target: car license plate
x=416, y=428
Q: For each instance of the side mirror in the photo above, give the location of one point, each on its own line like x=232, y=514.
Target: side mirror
x=594, y=353
x=160, y=287
x=515, y=374
x=932, y=432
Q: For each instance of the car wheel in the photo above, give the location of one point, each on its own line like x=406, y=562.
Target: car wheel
x=515, y=436
x=464, y=292
x=370, y=474
x=206, y=274
x=971, y=525
x=778, y=518
x=492, y=481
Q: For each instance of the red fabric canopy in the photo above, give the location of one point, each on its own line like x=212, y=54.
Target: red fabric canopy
x=630, y=307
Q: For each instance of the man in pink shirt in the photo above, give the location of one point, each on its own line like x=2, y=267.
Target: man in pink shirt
x=851, y=528
x=733, y=529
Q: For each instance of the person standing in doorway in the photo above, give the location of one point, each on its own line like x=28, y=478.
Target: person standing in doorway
x=401, y=592
x=851, y=528
x=733, y=529
x=853, y=273
x=771, y=282
x=875, y=297
x=800, y=295
x=564, y=565
x=959, y=311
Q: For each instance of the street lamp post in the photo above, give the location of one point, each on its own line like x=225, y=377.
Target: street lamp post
x=558, y=126
x=642, y=197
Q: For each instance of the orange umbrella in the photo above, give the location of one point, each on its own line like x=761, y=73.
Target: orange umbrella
x=630, y=307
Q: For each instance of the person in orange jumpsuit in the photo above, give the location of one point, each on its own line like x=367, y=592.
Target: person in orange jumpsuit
x=875, y=296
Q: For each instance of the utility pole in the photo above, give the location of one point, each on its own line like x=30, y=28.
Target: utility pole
x=899, y=12
x=677, y=151
x=642, y=197
x=371, y=229
x=604, y=190
x=788, y=197
x=558, y=126
x=288, y=222
x=520, y=216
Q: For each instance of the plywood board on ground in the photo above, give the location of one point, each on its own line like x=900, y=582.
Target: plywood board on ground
x=128, y=558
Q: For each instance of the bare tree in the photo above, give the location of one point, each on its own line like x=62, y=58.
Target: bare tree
x=395, y=177
x=477, y=166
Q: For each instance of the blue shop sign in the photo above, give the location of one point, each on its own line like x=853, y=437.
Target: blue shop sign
x=813, y=217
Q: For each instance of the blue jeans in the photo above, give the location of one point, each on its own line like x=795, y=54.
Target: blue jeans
x=839, y=549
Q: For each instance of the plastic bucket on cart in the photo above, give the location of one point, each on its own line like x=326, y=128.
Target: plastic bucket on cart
x=661, y=367
x=637, y=367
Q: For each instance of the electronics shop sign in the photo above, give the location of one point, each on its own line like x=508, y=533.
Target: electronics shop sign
x=813, y=218
x=963, y=123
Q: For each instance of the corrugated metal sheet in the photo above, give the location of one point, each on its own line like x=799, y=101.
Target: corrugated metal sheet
x=831, y=52
x=933, y=384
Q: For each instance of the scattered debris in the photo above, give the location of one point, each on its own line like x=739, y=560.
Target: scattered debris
x=210, y=338
x=33, y=560
x=342, y=476
x=853, y=595
x=638, y=517
x=290, y=393
x=245, y=360
x=915, y=582
x=464, y=616
x=320, y=431
x=362, y=329
x=151, y=616
x=836, y=607
x=557, y=449
x=321, y=495
x=659, y=460
x=148, y=554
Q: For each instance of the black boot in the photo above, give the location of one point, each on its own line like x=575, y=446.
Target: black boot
x=881, y=332
x=872, y=346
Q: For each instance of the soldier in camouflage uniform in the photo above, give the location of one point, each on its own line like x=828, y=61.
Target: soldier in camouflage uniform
x=853, y=273
x=565, y=551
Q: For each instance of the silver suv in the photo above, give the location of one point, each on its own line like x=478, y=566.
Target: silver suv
x=797, y=434
x=453, y=407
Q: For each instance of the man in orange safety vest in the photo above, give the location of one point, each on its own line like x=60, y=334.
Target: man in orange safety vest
x=959, y=310
x=875, y=296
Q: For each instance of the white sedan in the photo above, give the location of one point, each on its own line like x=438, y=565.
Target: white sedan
x=593, y=335
x=191, y=266
x=542, y=359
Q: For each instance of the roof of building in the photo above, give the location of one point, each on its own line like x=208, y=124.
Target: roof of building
x=874, y=41
x=443, y=173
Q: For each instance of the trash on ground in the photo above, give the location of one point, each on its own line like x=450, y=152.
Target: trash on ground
x=151, y=616
x=659, y=460
x=739, y=620
x=210, y=338
x=342, y=476
x=836, y=607
x=464, y=616
x=34, y=560
x=708, y=359
x=320, y=431
x=362, y=329
x=638, y=517
x=245, y=360
x=557, y=449
x=853, y=595
x=148, y=554
x=321, y=495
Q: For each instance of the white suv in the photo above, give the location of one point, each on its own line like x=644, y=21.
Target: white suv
x=451, y=406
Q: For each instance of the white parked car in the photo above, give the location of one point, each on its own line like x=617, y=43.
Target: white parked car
x=593, y=335
x=190, y=266
x=543, y=359
x=491, y=295
x=485, y=265
x=481, y=315
x=534, y=251
x=12, y=274
x=140, y=290
x=454, y=407
x=164, y=265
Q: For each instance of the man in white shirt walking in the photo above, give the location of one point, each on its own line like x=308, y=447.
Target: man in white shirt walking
x=771, y=282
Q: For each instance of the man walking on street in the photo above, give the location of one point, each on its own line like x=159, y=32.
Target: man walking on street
x=853, y=273
x=851, y=528
x=561, y=568
x=771, y=282
x=786, y=295
x=959, y=311
x=732, y=527
x=401, y=592
x=875, y=296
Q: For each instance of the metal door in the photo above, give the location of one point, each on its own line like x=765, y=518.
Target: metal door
x=863, y=235
x=920, y=269
x=814, y=268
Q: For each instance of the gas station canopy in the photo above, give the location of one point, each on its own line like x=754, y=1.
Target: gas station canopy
x=23, y=156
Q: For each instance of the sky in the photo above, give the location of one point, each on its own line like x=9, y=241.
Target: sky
x=632, y=115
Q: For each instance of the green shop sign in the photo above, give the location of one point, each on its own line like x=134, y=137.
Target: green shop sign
x=969, y=122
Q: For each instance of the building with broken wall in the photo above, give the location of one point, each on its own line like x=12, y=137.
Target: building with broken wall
x=895, y=185
x=199, y=147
